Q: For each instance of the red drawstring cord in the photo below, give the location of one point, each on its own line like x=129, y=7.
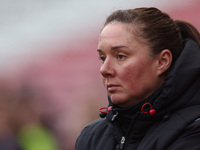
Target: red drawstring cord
x=106, y=108
x=151, y=111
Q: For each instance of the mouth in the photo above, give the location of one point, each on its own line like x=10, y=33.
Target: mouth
x=112, y=87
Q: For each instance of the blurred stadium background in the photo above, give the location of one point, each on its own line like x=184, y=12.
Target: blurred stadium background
x=49, y=67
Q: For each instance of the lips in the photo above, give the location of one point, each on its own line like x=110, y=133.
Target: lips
x=112, y=87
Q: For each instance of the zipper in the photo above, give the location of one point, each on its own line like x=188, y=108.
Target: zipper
x=125, y=136
x=122, y=142
x=114, y=116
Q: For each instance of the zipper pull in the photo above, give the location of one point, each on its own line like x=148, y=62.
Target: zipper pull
x=114, y=116
x=122, y=142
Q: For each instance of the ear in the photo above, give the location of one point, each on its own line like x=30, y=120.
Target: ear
x=164, y=61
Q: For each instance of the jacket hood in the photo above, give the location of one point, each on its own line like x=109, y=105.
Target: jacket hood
x=183, y=81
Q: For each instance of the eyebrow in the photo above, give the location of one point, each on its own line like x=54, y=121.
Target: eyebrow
x=113, y=48
x=99, y=50
x=117, y=47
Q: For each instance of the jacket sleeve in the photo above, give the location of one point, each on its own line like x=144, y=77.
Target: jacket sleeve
x=86, y=140
x=189, y=139
x=82, y=142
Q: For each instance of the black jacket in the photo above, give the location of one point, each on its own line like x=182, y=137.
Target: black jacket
x=175, y=125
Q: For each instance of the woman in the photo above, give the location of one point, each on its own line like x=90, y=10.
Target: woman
x=151, y=71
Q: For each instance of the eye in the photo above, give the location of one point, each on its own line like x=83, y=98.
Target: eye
x=121, y=57
x=102, y=58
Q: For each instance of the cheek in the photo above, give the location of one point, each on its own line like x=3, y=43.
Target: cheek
x=129, y=75
x=134, y=75
x=132, y=70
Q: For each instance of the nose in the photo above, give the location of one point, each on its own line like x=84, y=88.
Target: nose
x=107, y=68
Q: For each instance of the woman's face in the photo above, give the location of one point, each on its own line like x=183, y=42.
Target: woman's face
x=128, y=71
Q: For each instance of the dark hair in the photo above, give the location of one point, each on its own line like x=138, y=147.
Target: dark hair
x=188, y=30
x=156, y=28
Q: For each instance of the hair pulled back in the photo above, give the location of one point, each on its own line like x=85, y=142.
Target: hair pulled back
x=156, y=28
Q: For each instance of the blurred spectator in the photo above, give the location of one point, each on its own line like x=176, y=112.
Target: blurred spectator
x=21, y=122
x=7, y=139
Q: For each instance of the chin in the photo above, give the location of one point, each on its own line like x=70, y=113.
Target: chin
x=118, y=101
x=123, y=102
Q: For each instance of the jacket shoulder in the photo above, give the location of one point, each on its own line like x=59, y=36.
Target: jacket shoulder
x=92, y=134
x=93, y=127
x=189, y=138
x=181, y=124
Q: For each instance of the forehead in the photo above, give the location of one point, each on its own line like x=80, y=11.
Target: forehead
x=121, y=35
x=116, y=29
x=115, y=34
